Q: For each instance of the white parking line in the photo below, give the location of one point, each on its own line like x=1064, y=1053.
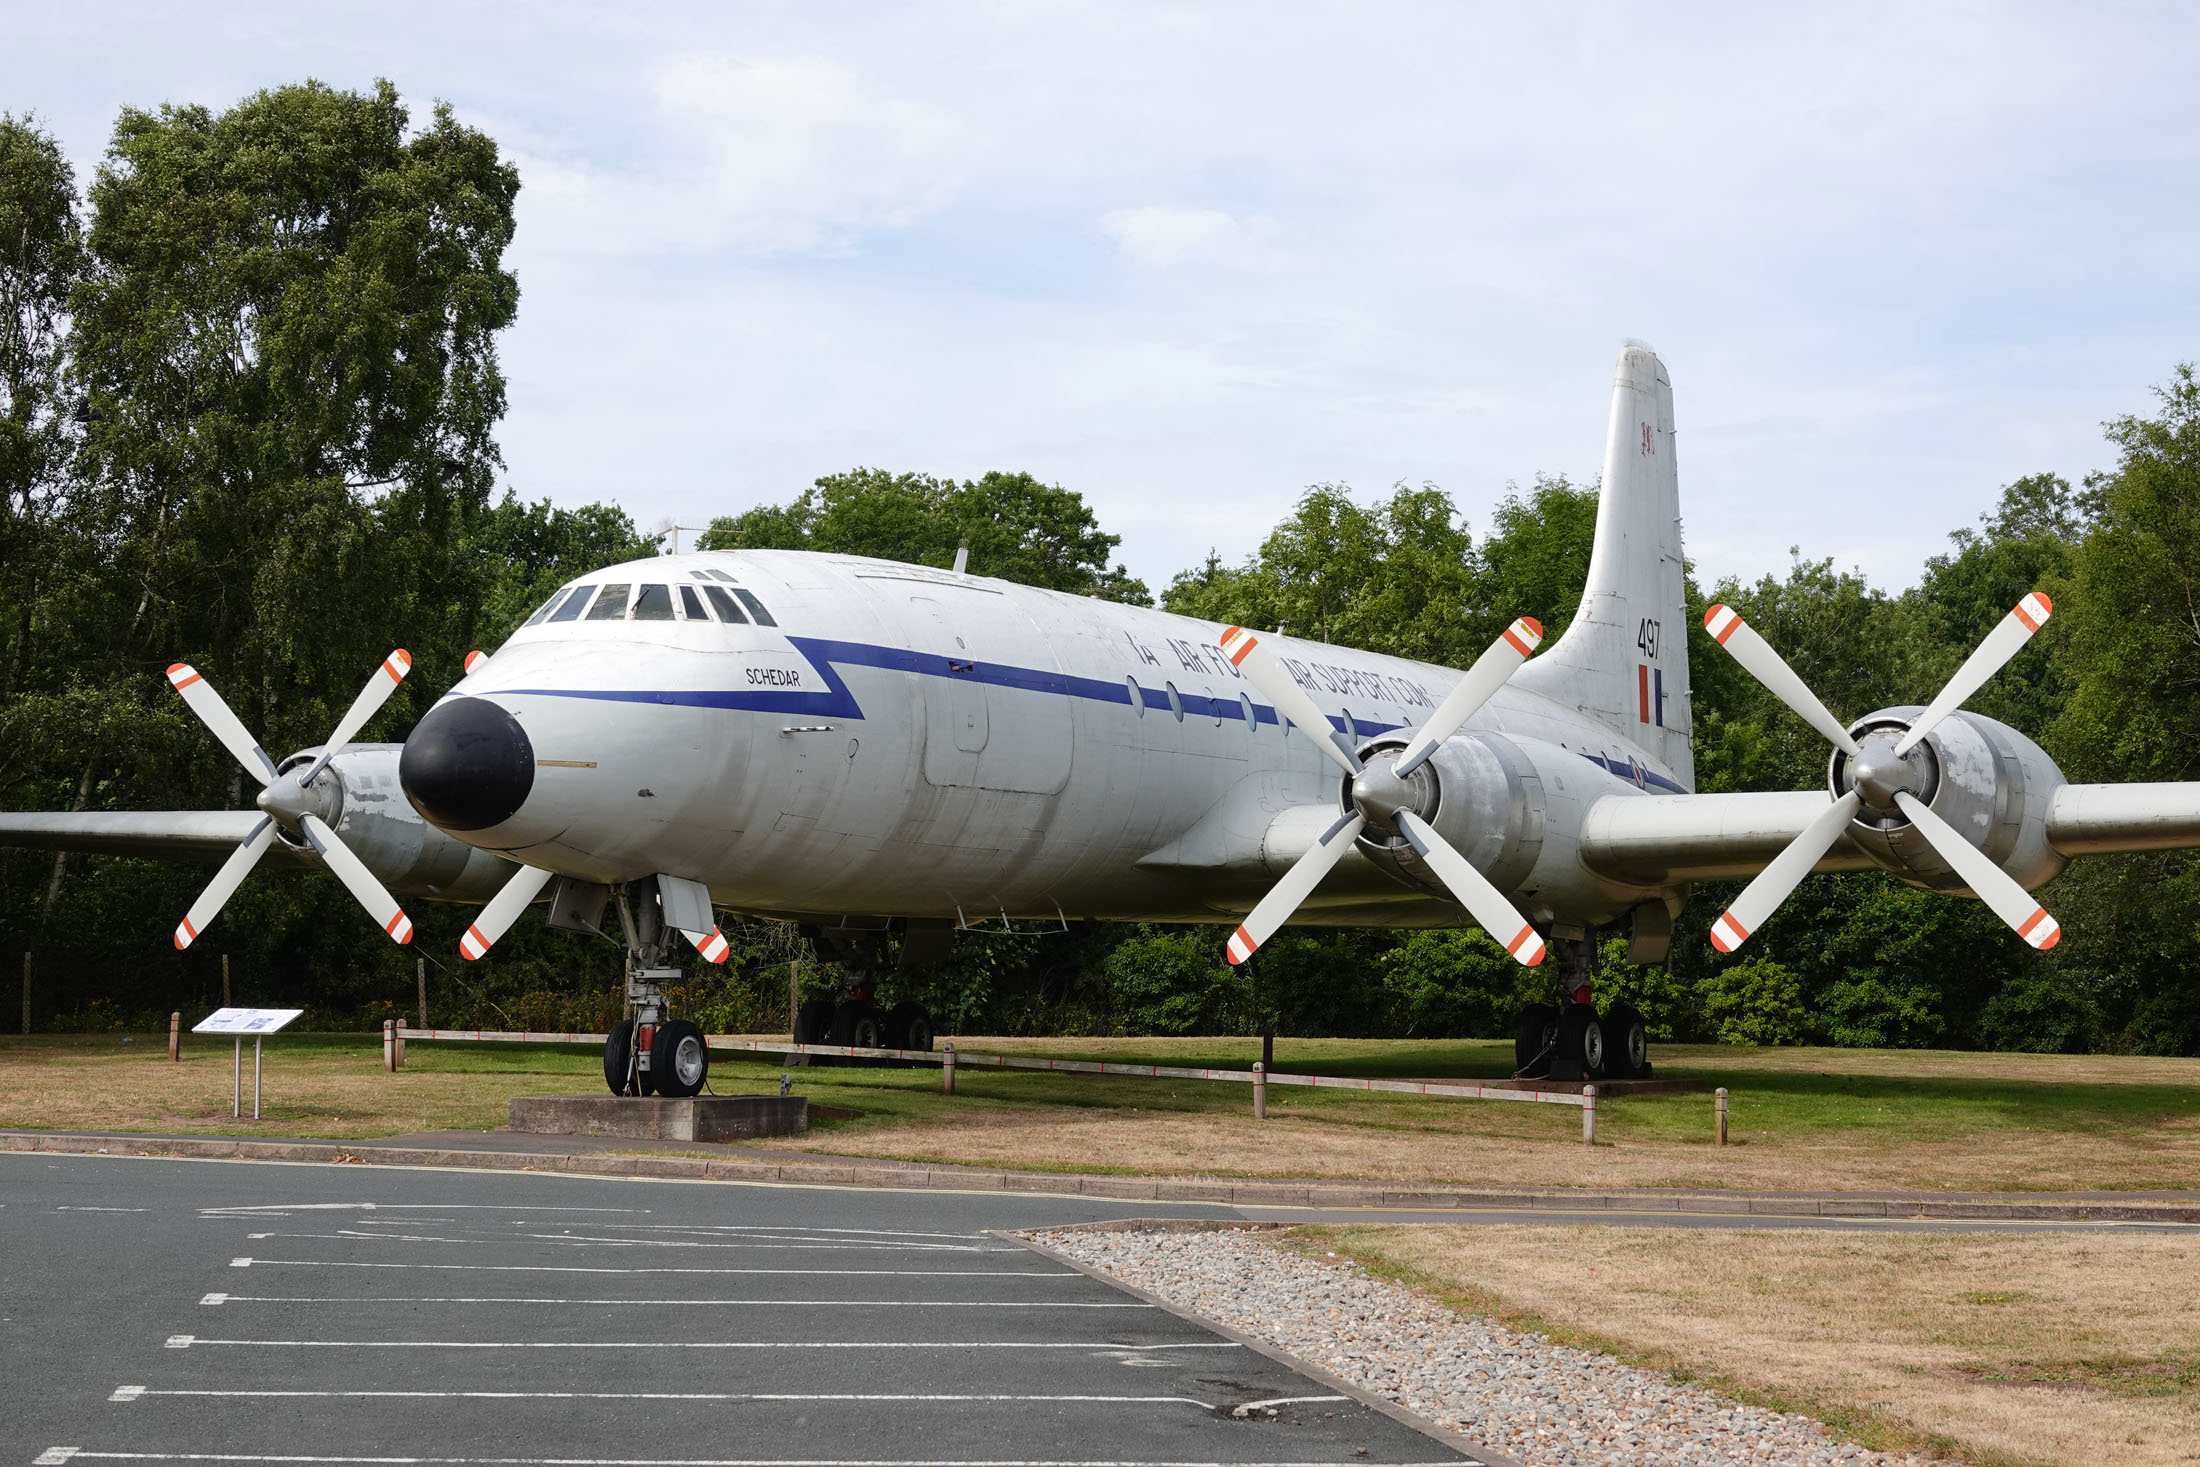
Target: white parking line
x=55, y=1456
x=66, y=1208
x=285, y=1209
x=219, y=1299
x=800, y=1228
x=185, y=1342
x=134, y=1393
x=585, y=1241
x=891, y=1273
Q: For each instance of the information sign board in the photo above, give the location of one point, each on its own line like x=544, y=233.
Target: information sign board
x=245, y=1021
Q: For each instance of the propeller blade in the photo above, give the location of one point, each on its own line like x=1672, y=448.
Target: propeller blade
x=2001, y=644
x=1755, y=654
x=1500, y=918
x=1762, y=897
x=215, y=714
x=369, y=702
x=712, y=944
x=225, y=882
x=1483, y=679
x=1297, y=885
x=1267, y=675
x=475, y=658
x=353, y=872
x=1993, y=886
x=503, y=910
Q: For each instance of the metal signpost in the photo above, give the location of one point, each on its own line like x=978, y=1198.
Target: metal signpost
x=258, y=1023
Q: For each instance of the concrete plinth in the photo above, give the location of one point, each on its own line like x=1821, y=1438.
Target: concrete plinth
x=654, y=1118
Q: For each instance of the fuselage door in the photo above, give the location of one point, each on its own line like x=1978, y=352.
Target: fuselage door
x=955, y=722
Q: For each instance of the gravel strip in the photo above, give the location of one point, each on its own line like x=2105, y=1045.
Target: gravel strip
x=1549, y=1405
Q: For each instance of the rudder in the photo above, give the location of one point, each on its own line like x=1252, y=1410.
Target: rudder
x=1623, y=660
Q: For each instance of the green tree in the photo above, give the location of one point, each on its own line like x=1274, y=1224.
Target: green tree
x=1016, y=528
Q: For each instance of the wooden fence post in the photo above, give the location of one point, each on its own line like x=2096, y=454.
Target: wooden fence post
x=26, y=993
x=420, y=970
x=1722, y=1115
x=947, y=1069
x=1260, y=1091
x=794, y=995
x=225, y=980
x=389, y=1044
x=175, y=1036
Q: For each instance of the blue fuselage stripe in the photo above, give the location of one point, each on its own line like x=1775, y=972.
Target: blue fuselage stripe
x=838, y=700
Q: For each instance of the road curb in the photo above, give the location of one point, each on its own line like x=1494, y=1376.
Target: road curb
x=843, y=1173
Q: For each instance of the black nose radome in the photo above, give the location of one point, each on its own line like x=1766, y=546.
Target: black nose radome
x=467, y=766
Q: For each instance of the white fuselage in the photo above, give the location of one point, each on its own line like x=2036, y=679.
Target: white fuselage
x=915, y=742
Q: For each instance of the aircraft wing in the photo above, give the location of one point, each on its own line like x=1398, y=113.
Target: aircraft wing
x=131, y=832
x=1658, y=839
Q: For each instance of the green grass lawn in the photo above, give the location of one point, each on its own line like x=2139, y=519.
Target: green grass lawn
x=1801, y=1117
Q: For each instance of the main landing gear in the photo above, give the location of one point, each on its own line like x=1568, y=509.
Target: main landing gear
x=1569, y=1040
x=651, y=1053
x=856, y=1019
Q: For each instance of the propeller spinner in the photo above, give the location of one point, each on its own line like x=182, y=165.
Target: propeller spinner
x=1890, y=774
x=291, y=800
x=1381, y=792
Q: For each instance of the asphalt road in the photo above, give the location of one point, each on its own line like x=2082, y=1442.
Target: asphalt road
x=250, y=1312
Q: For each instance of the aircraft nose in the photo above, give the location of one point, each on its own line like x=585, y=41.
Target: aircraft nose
x=467, y=766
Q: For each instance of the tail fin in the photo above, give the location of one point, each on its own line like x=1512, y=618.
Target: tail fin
x=1623, y=660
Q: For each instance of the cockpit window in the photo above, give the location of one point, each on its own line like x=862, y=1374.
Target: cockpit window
x=610, y=604
x=544, y=609
x=756, y=608
x=570, y=608
x=719, y=575
x=653, y=604
x=723, y=605
x=692, y=604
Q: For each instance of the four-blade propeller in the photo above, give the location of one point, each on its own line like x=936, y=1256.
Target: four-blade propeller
x=289, y=800
x=1380, y=795
x=1882, y=779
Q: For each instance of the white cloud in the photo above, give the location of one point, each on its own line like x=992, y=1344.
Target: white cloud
x=1163, y=237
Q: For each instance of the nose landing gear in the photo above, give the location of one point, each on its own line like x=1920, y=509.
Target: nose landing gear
x=651, y=1053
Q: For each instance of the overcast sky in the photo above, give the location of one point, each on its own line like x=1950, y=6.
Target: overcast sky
x=1188, y=259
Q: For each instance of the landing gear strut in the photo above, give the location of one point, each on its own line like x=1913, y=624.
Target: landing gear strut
x=651, y=1053
x=1568, y=1039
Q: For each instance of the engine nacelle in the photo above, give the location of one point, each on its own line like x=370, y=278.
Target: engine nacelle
x=1989, y=782
x=1483, y=795
x=360, y=799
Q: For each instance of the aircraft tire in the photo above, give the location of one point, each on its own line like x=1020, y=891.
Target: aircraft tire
x=1533, y=1038
x=618, y=1054
x=1626, y=1043
x=813, y=1024
x=909, y=1026
x=857, y=1024
x=1580, y=1054
x=679, y=1060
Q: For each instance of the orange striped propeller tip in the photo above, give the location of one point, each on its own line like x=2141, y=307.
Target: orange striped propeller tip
x=182, y=675
x=1237, y=644
x=475, y=658
x=712, y=945
x=1720, y=621
x=2033, y=611
x=185, y=934
x=397, y=664
x=1728, y=934
x=2041, y=930
x=1524, y=635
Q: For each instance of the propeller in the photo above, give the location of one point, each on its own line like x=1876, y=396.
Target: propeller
x=1379, y=792
x=1881, y=779
x=289, y=800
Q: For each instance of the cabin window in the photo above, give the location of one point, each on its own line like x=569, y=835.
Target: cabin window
x=545, y=609
x=610, y=604
x=570, y=610
x=1138, y=695
x=1176, y=701
x=721, y=603
x=1252, y=716
x=653, y=604
x=756, y=607
x=692, y=604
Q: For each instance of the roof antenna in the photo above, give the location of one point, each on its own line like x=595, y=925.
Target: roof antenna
x=962, y=556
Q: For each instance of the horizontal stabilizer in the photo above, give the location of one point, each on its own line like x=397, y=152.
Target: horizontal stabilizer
x=132, y=832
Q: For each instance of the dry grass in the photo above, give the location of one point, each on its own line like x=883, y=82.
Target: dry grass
x=1805, y=1119
x=2028, y=1348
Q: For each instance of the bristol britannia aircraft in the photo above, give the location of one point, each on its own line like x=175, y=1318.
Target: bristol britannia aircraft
x=864, y=746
